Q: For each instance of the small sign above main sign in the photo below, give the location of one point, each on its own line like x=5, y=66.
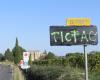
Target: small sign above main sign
x=64, y=35
x=78, y=22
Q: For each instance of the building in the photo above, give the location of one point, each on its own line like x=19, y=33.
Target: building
x=37, y=55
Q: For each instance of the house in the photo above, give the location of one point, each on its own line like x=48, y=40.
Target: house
x=37, y=55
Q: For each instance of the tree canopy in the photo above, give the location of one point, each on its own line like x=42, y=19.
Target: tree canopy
x=9, y=55
x=50, y=55
x=17, y=52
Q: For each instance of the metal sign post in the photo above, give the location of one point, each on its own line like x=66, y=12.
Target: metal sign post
x=78, y=31
x=86, y=63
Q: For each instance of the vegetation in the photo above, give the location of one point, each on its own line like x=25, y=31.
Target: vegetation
x=30, y=59
x=15, y=55
x=52, y=67
x=2, y=58
x=50, y=55
x=74, y=60
x=54, y=73
x=9, y=55
x=17, y=52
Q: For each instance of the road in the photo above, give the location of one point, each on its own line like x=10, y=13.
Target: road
x=6, y=72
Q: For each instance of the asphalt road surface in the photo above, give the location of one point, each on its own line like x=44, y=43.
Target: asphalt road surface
x=6, y=72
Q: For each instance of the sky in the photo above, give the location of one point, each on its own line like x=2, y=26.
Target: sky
x=30, y=20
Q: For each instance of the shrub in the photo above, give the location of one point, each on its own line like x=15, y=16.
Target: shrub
x=37, y=72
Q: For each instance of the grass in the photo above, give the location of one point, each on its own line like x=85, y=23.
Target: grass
x=54, y=73
x=18, y=73
x=94, y=75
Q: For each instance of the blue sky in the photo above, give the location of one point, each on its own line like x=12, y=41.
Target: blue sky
x=29, y=20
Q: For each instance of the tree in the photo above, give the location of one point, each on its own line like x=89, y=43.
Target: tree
x=75, y=59
x=17, y=52
x=94, y=61
x=30, y=59
x=1, y=57
x=9, y=55
x=50, y=55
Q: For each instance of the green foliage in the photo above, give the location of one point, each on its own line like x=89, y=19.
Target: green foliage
x=54, y=73
x=95, y=75
x=94, y=61
x=2, y=57
x=30, y=59
x=49, y=62
x=9, y=55
x=17, y=52
x=44, y=69
x=75, y=60
x=50, y=55
x=65, y=62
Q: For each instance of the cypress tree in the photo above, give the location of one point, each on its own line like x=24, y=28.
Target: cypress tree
x=30, y=59
x=17, y=52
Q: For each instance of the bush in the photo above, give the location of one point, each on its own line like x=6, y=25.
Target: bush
x=37, y=72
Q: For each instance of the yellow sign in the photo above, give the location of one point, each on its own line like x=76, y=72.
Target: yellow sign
x=78, y=22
